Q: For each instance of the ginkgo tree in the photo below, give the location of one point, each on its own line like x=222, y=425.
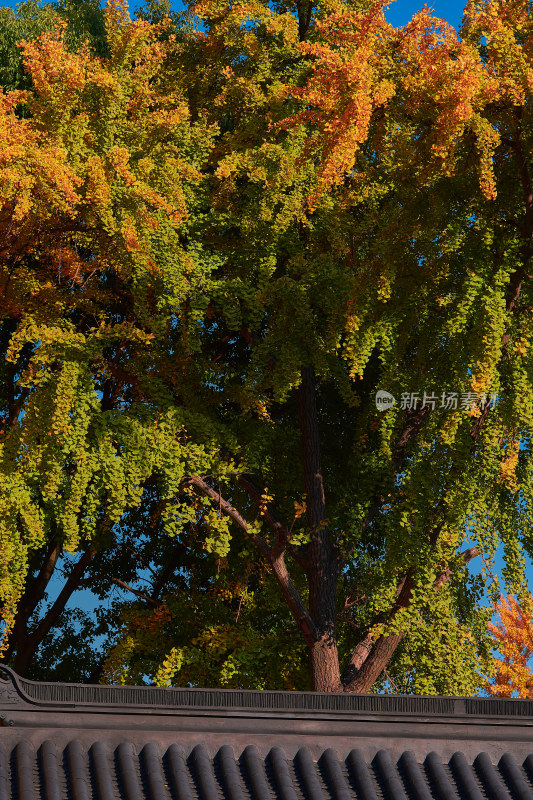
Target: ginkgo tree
x=96, y=156
x=220, y=240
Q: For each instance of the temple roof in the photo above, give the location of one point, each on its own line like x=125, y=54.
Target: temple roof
x=79, y=742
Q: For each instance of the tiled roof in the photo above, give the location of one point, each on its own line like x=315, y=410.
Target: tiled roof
x=121, y=772
x=69, y=742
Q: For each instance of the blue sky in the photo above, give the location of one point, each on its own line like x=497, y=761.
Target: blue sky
x=399, y=12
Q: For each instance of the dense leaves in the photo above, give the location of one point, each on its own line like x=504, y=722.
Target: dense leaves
x=104, y=157
x=222, y=234
x=513, y=637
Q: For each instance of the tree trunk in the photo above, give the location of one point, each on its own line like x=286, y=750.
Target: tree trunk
x=31, y=598
x=323, y=562
x=29, y=644
x=359, y=655
x=322, y=581
x=324, y=661
x=377, y=660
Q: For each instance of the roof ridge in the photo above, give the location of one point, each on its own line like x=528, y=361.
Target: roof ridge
x=14, y=688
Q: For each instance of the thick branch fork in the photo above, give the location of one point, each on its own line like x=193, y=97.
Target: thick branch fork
x=370, y=656
x=274, y=556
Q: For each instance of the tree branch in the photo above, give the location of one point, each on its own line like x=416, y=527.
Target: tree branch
x=37, y=588
x=149, y=600
x=33, y=641
x=229, y=510
x=289, y=591
x=272, y=519
x=324, y=557
x=168, y=571
x=467, y=556
x=32, y=597
x=369, y=658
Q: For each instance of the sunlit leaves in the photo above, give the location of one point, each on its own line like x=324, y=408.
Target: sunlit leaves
x=188, y=218
x=104, y=153
x=513, y=637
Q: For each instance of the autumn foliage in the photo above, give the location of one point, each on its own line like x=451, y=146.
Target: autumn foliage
x=513, y=635
x=221, y=234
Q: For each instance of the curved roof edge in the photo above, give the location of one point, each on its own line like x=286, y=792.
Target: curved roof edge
x=15, y=690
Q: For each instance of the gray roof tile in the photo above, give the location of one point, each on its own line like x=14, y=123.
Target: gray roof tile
x=67, y=742
x=123, y=773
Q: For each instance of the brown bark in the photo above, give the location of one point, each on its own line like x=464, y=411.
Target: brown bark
x=369, y=659
x=274, y=556
x=35, y=592
x=305, y=12
x=324, y=663
x=378, y=657
x=123, y=585
x=323, y=568
x=302, y=616
x=373, y=656
x=281, y=531
x=32, y=597
x=27, y=647
x=200, y=484
x=269, y=514
x=319, y=558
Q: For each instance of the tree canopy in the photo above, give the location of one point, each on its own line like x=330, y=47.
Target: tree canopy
x=222, y=233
